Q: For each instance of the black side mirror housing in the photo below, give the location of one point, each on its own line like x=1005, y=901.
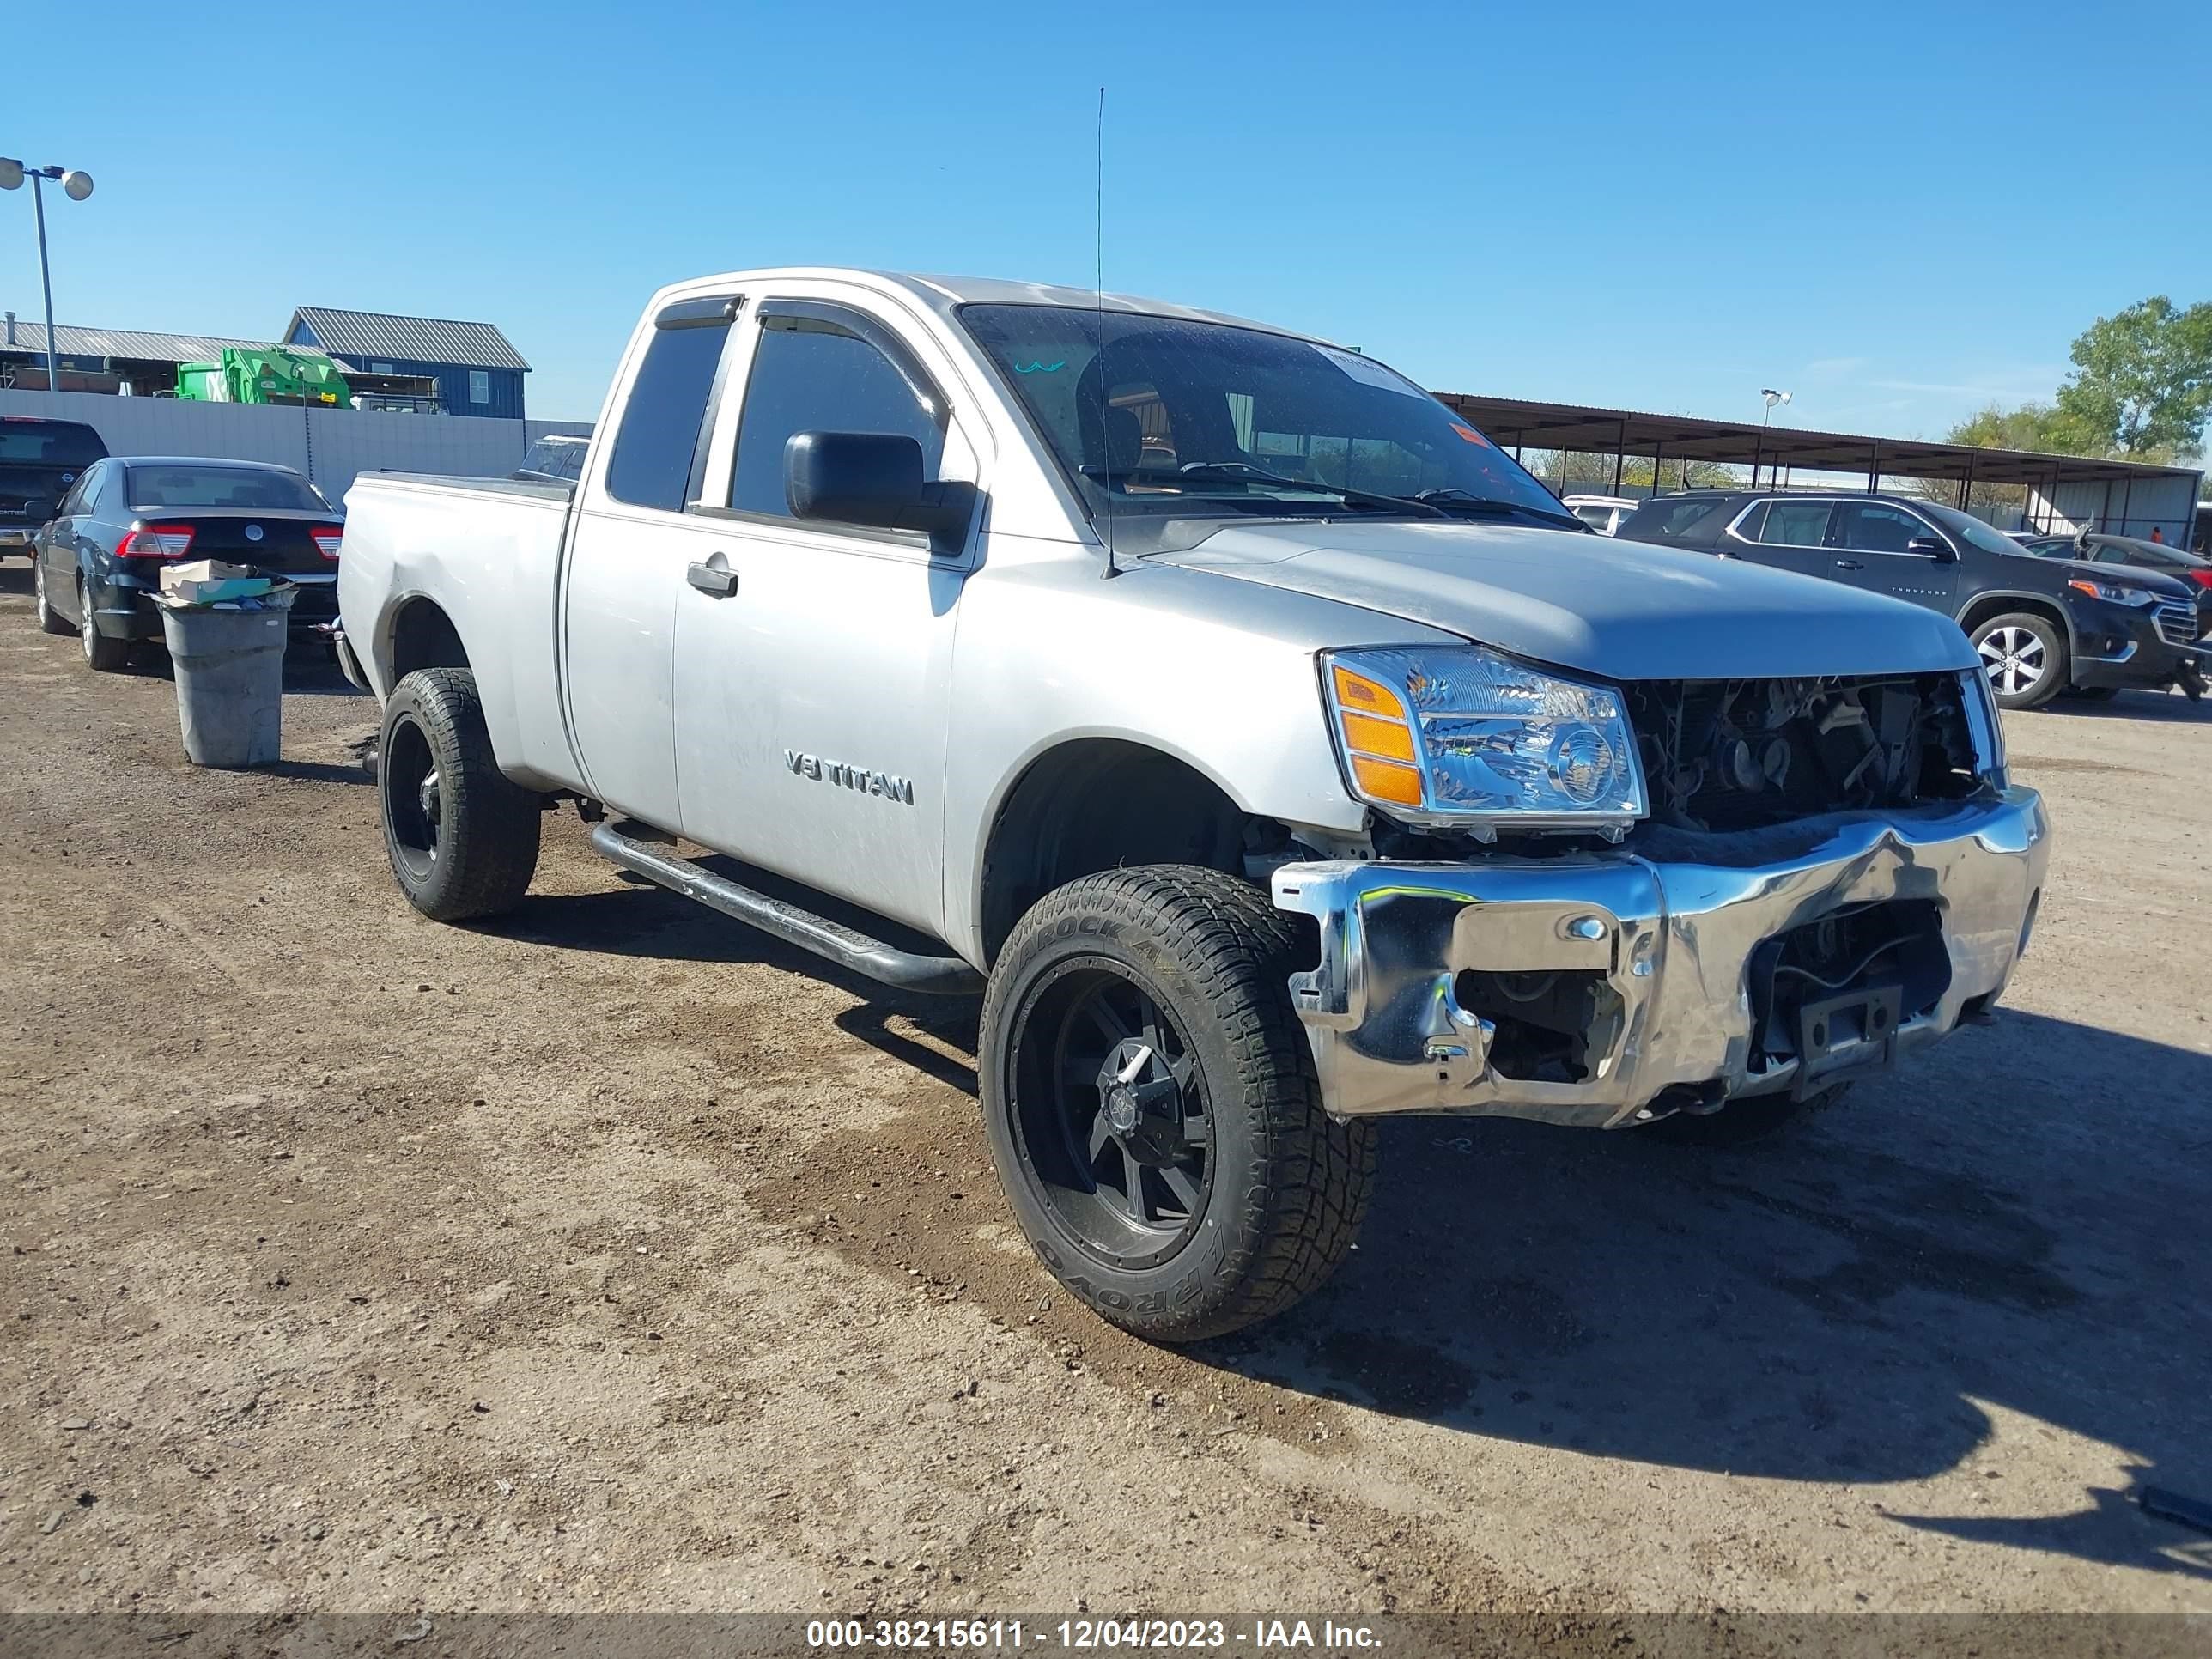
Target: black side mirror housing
x=872, y=478
x=1935, y=547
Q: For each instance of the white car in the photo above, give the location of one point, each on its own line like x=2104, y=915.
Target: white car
x=1603, y=514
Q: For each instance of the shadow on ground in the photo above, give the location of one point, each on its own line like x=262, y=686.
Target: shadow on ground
x=2132, y=706
x=2010, y=1224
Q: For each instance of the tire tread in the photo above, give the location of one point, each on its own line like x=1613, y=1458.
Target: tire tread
x=1306, y=1191
x=488, y=860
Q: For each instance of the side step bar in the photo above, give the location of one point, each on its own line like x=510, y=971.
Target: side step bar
x=942, y=975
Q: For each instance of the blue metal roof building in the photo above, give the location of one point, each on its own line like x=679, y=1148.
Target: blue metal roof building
x=478, y=371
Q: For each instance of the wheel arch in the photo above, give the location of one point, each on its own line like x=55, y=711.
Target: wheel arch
x=418, y=633
x=1089, y=804
x=1982, y=606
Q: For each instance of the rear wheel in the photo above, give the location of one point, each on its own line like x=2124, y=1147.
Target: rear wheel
x=51, y=621
x=1152, y=1108
x=101, y=655
x=462, y=837
x=2025, y=657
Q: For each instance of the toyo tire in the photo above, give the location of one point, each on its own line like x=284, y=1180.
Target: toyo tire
x=1151, y=1106
x=462, y=837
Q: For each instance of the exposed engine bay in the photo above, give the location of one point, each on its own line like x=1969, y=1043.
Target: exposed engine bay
x=1725, y=754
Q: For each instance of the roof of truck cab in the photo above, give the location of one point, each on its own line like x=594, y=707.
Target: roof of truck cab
x=945, y=295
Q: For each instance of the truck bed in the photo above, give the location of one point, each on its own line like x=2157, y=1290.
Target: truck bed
x=485, y=554
x=552, y=489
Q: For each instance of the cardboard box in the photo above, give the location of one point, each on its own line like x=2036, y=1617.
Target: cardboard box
x=204, y=582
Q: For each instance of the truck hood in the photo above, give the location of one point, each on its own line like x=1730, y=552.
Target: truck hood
x=1624, y=611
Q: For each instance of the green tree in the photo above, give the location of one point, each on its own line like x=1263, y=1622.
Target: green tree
x=2033, y=426
x=2143, y=380
x=2142, y=389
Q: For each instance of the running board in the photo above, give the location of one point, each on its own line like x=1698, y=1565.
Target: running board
x=941, y=976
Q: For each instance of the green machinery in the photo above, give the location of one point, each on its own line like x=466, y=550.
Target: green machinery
x=265, y=374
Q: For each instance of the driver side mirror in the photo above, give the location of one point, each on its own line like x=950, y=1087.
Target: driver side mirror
x=1933, y=548
x=872, y=478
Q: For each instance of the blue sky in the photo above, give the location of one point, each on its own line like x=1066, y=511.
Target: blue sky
x=1898, y=212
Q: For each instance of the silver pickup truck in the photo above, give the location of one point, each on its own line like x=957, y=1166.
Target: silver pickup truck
x=1267, y=748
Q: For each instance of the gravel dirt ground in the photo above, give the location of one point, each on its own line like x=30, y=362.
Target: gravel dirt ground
x=612, y=1256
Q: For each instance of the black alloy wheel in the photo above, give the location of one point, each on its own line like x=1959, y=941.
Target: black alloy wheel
x=462, y=837
x=1114, y=1130
x=414, y=800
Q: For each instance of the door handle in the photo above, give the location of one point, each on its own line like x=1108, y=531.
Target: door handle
x=716, y=581
x=1843, y=564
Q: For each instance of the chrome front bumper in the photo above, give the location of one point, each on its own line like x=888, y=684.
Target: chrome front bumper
x=1672, y=940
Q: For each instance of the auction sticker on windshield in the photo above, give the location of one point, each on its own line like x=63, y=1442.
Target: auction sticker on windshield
x=1368, y=373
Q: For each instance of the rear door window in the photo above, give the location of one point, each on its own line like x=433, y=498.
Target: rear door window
x=1794, y=524
x=660, y=442
x=72, y=502
x=1870, y=527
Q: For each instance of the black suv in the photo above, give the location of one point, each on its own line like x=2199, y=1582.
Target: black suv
x=40, y=459
x=2042, y=625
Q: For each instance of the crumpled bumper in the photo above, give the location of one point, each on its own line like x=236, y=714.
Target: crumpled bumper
x=1667, y=946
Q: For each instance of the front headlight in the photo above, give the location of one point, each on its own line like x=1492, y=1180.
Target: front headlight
x=1465, y=736
x=2112, y=594
x=1984, y=727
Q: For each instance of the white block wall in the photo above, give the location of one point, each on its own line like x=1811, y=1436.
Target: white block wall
x=331, y=446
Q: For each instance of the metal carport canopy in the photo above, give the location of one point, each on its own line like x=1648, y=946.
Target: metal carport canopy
x=1517, y=424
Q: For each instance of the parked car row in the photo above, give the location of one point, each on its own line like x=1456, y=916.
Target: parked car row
x=107, y=525
x=2042, y=625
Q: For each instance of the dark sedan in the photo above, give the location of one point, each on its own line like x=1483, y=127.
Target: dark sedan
x=98, y=565
x=2097, y=548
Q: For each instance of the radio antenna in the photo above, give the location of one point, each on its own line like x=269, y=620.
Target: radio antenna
x=1098, y=288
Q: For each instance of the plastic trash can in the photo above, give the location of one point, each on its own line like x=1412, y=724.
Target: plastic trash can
x=230, y=677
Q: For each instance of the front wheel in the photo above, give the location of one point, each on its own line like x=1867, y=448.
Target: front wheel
x=1152, y=1108
x=2025, y=657
x=461, y=837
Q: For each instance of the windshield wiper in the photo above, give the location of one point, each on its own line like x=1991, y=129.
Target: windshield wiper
x=1456, y=497
x=1245, y=472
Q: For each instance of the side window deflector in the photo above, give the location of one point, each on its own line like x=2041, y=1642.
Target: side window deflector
x=714, y=311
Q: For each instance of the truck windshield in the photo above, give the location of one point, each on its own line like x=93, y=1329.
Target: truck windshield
x=1159, y=417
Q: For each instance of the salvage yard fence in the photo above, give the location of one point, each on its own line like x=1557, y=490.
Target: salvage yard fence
x=330, y=447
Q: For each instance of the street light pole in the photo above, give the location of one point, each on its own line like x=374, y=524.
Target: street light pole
x=76, y=186
x=45, y=281
x=1773, y=396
